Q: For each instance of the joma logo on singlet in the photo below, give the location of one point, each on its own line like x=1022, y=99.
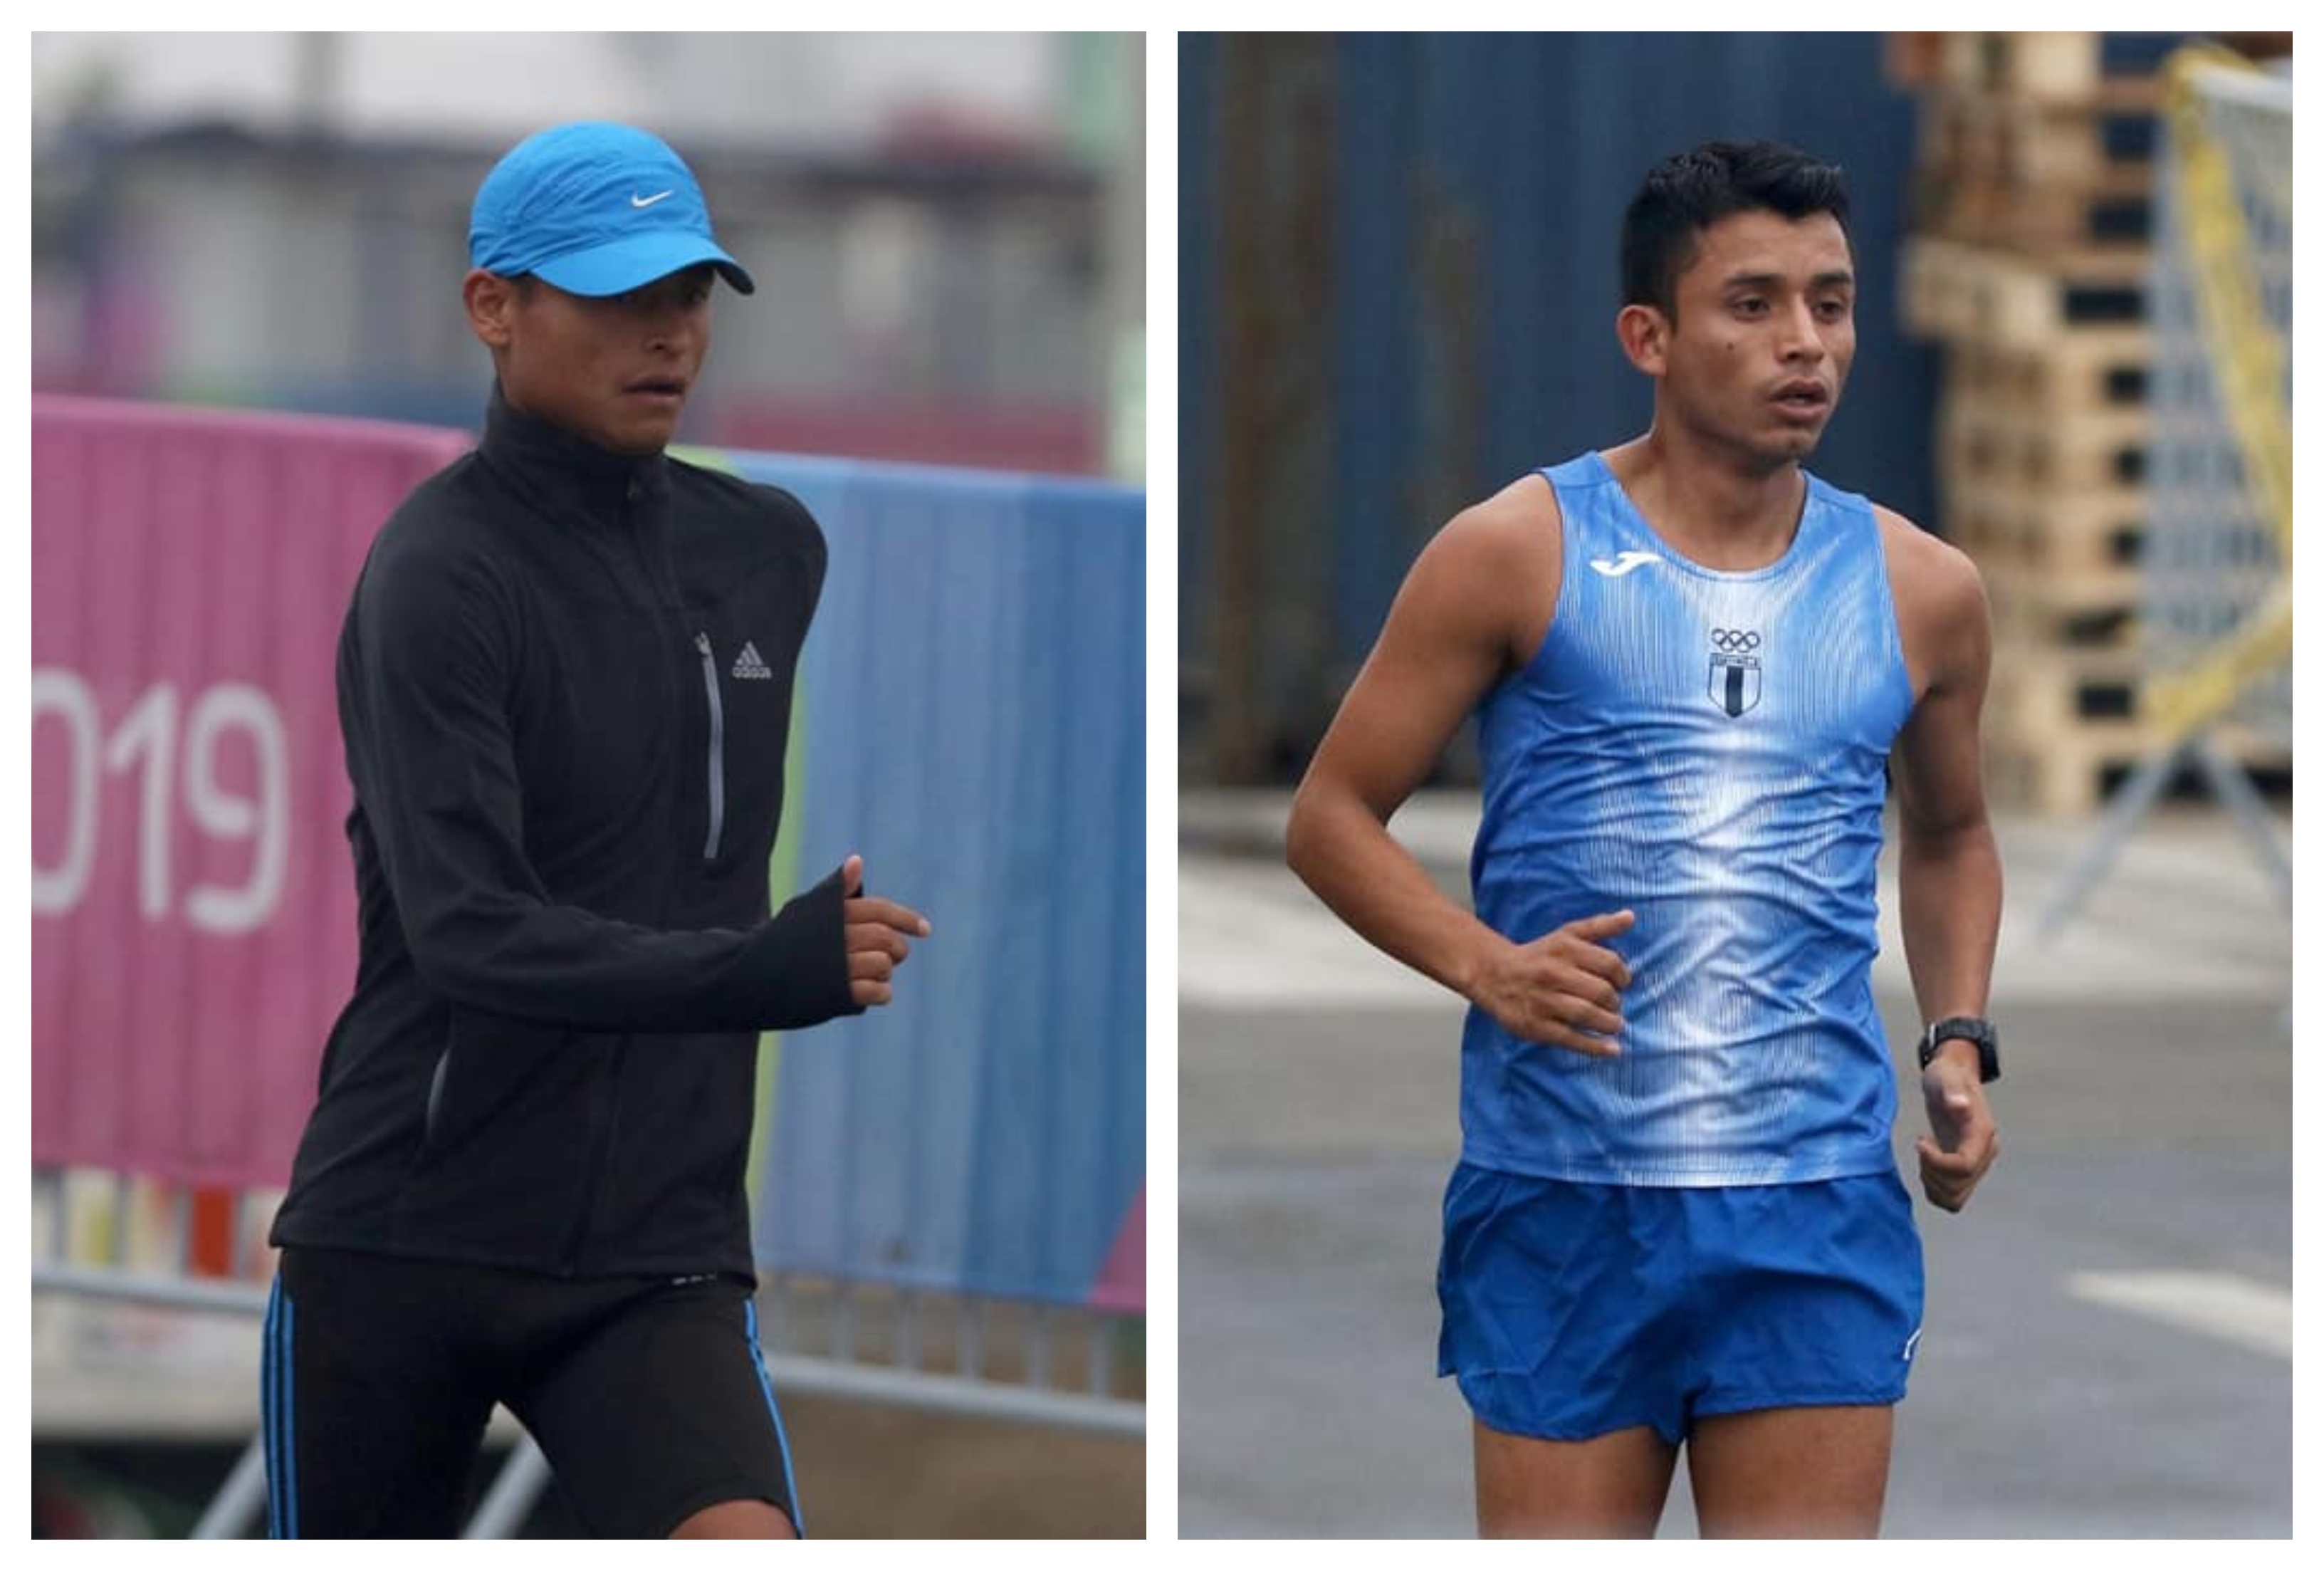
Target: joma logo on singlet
x=1734, y=669
x=1626, y=563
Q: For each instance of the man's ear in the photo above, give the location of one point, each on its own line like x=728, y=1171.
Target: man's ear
x=1646, y=334
x=491, y=300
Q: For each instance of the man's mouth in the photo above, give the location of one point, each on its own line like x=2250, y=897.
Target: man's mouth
x=670, y=389
x=1803, y=398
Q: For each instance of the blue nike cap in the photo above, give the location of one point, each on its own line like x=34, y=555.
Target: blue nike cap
x=597, y=209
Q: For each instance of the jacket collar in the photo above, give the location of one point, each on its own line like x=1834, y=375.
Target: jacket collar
x=565, y=472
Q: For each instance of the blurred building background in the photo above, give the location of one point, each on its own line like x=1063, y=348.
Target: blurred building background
x=1398, y=283
x=948, y=229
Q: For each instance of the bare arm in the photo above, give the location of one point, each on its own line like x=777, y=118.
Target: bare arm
x=1949, y=868
x=1476, y=604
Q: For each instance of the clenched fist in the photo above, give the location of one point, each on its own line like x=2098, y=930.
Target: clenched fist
x=1962, y=1141
x=877, y=934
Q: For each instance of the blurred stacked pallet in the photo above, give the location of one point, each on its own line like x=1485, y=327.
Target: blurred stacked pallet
x=2029, y=261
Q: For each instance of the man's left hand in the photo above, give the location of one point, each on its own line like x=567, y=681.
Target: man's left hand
x=1965, y=1140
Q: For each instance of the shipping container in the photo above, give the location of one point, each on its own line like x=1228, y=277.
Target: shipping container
x=1398, y=284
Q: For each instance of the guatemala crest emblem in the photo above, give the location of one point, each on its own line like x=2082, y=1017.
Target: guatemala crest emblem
x=1734, y=669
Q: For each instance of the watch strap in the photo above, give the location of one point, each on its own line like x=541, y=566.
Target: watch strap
x=1969, y=1029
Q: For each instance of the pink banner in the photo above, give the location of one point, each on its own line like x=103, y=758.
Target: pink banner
x=1121, y=1285
x=193, y=906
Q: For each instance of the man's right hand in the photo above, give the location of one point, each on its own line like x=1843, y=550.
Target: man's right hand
x=877, y=930
x=1564, y=988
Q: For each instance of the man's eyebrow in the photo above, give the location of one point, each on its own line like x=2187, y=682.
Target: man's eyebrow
x=1776, y=280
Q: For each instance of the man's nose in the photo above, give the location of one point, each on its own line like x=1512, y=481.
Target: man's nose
x=668, y=324
x=1803, y=334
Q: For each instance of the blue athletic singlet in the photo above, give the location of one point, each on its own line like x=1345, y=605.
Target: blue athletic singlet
x=1707, y=749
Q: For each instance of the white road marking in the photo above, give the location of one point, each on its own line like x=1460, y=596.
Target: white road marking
x=2251, y=1314
x=1256, y=940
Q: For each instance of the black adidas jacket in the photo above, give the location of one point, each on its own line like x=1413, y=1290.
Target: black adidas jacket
x=564, y=682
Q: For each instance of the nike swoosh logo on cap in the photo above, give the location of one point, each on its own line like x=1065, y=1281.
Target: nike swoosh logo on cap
x=638, y=201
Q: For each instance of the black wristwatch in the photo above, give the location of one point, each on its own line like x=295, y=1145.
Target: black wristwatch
x=1966, y=1028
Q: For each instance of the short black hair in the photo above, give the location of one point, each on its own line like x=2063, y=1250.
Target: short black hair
x=1688, y=192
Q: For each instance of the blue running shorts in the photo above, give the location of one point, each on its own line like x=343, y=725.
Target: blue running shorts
x=1572, y=1310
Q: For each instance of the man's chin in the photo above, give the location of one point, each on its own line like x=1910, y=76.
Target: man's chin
x=1794, y=447
x=641, y=439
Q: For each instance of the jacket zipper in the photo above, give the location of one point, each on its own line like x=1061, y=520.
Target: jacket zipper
x=435, y=1095
x=717, y=748
x=604, y=1090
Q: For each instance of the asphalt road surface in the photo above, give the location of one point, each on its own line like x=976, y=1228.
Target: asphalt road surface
x=2109, y=1344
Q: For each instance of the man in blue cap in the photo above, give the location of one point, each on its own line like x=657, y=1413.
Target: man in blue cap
x=610, y=220
x=564, y=682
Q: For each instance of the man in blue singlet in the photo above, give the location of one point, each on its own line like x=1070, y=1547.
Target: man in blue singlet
x=1677, y=1218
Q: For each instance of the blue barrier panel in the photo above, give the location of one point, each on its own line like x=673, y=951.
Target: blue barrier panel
x=973, y=723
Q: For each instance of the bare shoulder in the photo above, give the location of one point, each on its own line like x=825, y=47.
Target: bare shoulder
x=1941, y=609
x=1498, y=562
x=1519, y=520
x=1930, y=576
